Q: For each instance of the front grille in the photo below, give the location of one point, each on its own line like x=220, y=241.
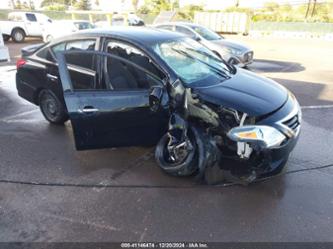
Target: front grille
x=293, y=122
x=248, y=56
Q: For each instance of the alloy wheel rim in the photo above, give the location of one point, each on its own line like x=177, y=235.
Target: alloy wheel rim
x=50, y=107
x=18, y=36
x=176, y=156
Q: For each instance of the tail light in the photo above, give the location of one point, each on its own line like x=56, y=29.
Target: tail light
x=20, y=63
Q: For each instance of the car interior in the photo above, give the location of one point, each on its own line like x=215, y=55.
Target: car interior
x=123, y=75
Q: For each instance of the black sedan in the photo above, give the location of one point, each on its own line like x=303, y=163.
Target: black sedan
x=143, y=87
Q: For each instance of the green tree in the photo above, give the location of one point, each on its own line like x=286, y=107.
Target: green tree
x=31, y=5
x=18, y=4
x=156, y=6
x=248, y=11
x=187, y=12
x=135, y=4
x=66, y=3
x=83, y=5
x=144, y=10
x=271, y=6
x=175, y=4
x=56, y=7
x=25, y=5
x=285, y=8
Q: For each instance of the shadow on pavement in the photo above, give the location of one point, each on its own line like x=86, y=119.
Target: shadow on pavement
x=272, y=66
x=308, y=93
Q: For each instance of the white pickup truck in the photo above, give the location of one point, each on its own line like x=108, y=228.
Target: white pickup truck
x=23, y=24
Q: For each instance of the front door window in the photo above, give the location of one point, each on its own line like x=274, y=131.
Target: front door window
x=129, y=68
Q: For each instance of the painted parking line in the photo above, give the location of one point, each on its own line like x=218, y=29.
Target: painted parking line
x=316, y=107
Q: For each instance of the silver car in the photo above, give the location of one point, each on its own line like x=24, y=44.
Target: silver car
x=232, y=52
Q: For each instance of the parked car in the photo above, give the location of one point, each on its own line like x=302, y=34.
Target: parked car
x=119, y=20
x=233, y=52
x=23, y=24
x=144, y=86
x=64, y=27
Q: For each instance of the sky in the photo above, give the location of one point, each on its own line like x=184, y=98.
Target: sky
x=210, y=4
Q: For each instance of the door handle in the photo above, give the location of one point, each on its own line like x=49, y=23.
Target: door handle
x=88, y=109
x=51, y=77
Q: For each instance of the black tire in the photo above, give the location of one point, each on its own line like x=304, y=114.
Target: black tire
x=6, y=37
x=49, y=38
x=18, y=35
x=185, y=168
x=52, y=108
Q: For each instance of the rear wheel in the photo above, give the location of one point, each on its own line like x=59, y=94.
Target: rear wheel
x=18, y=35
x=49, y=38
x=180, y=162
x=52, y=108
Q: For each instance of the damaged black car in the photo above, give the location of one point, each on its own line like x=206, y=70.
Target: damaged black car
x=144, y=87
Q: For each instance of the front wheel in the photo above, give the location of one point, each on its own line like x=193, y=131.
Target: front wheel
x=18, y=35
x=181, y=162
x=52, y=108
x=49, y=38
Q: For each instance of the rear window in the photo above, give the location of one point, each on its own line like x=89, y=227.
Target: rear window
x=82, y=69
x=45, y=54
x=78, y=59
x=83, y=25
x=81, y=45
x=75, y=59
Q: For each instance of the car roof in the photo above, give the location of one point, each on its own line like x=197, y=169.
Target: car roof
x=186, y=24
x=71, y=21
x=135, y=34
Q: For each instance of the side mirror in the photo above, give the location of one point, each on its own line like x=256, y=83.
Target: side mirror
x=197, y=38
x=155, y=98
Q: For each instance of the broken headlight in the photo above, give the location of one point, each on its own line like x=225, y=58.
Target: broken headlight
x=264, y=136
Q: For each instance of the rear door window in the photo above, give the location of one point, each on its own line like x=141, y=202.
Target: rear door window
x=80, y=59
x=31, y=17
x=82, y=66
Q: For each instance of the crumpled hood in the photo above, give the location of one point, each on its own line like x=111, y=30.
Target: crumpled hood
x=231, y=44
x=246, y=92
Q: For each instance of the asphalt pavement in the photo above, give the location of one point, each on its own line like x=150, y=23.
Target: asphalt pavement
x=141, y=203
